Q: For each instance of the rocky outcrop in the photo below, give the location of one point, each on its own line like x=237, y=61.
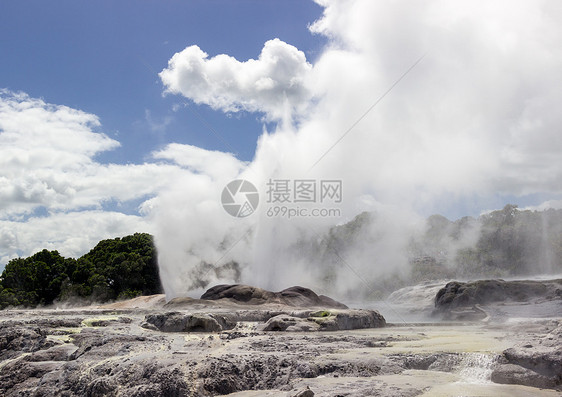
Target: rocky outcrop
x=62, y=352
x=290, y=321
x=460, y=301
x=284, y=322
x=294, y=296
x=14, y=341
x=340, y=320
x=293, y=309
x=334, y=320
x=513, y=374
x=456, y=294
x=182, y=322
x=537, y=364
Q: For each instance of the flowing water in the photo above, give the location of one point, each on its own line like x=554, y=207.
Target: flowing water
x=476, y=368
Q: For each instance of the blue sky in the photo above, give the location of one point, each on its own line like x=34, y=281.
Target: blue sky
x=103, y=57
x=117, y=117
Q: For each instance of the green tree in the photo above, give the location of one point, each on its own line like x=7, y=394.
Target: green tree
x=115, y=268
x=34, y=280
x=120, y=267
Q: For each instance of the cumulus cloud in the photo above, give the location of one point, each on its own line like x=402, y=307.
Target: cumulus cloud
x=213, y=163
x=29, y=124
x=274, y=84
x=72, y=234
x=476, y=119
x=48, y=167
x=48, y=160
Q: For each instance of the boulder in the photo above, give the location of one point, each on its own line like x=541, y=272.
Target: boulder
x=239, y=293
x=304, y=393
x=538, y=364
x=512, y=374
x=460, y=300
x=294, y=296
x=339, y=320
x=334, y=320
x=288, y=323
x=457, y=294
x=304, y=297
x=181, y=322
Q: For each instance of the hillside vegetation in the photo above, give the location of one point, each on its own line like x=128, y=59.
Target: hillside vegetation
x=115, y=269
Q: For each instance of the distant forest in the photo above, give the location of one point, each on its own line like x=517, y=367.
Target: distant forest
x=117, y=268
x=505, y=243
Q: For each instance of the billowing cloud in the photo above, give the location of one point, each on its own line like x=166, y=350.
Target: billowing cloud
x=275, y=83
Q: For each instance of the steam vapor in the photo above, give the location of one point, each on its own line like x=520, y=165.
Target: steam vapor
x=478, y=118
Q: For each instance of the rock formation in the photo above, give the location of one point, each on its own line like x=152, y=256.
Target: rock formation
x=463, y=301
x=294, y=296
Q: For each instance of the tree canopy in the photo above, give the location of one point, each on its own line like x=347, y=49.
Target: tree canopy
x=114, y=269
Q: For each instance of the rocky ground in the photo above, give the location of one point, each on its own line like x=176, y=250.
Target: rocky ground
x=272, y=347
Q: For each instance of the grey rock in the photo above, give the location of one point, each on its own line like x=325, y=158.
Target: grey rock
x=13, y=341
x=305, y=393
x=537, y=365
x=288, y=323
x=25, y=375
x=304, y=297
x=181, y=322
x=457, y=294
x=334, y=320
x=56, y=353
x=516, y=375
x=239, y=293
x=294, y=296
x=101, y=387
x=339, y=320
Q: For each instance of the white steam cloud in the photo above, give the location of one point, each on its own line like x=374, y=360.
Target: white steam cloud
x=477, y=117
